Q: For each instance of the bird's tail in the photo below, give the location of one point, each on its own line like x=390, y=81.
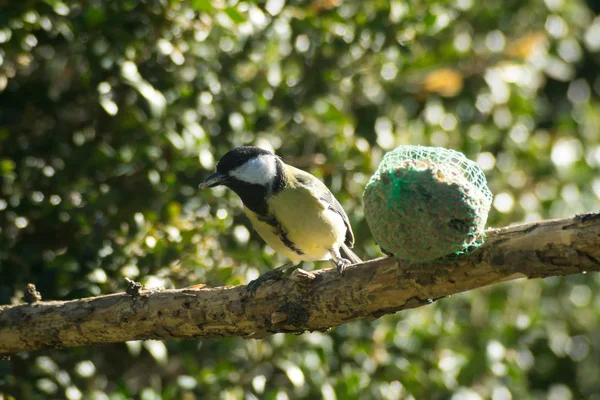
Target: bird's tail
x=350, y=254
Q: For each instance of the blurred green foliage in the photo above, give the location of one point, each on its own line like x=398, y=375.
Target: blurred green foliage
x=111, y=113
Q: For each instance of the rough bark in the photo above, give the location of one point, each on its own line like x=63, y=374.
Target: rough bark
x=306, y=301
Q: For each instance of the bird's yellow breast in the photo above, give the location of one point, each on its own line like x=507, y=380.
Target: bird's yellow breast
x=299, y=222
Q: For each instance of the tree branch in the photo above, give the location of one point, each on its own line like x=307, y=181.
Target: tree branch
x=307, y=301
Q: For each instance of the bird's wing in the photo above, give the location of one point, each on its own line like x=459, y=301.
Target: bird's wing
x=337, y=207
x=306, y=179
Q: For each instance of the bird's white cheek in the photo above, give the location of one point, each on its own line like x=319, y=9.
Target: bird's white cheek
x=259, y=171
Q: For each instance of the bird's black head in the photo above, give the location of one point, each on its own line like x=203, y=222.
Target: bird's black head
x=238, y=157
x=253, y=173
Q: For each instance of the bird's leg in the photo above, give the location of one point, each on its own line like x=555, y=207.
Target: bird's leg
x=274, y=275
x=337, y=260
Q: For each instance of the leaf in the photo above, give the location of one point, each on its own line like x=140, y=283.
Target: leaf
x=430, y=20
x=235, y=15
x=7, y=165
x=95, y=16
x=203, y=5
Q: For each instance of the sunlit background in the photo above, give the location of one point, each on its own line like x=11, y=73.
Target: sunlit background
x=111, y=113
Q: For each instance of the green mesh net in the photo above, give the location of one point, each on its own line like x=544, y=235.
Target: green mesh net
x=424, y=203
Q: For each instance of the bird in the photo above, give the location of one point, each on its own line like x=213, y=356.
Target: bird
x=292, y=210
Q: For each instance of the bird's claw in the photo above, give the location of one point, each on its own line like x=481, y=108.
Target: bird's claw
x=341, y=264
x=275, y=275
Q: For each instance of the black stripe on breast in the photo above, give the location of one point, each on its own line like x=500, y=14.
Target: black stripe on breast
x=254, y=197
x=280, y=232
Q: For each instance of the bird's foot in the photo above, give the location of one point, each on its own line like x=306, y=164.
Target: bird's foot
x=341, y=264
x=273, y=275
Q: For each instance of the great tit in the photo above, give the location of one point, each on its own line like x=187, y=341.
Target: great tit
x=294, y=212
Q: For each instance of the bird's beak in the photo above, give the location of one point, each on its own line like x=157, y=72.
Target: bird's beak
x=215, y=179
